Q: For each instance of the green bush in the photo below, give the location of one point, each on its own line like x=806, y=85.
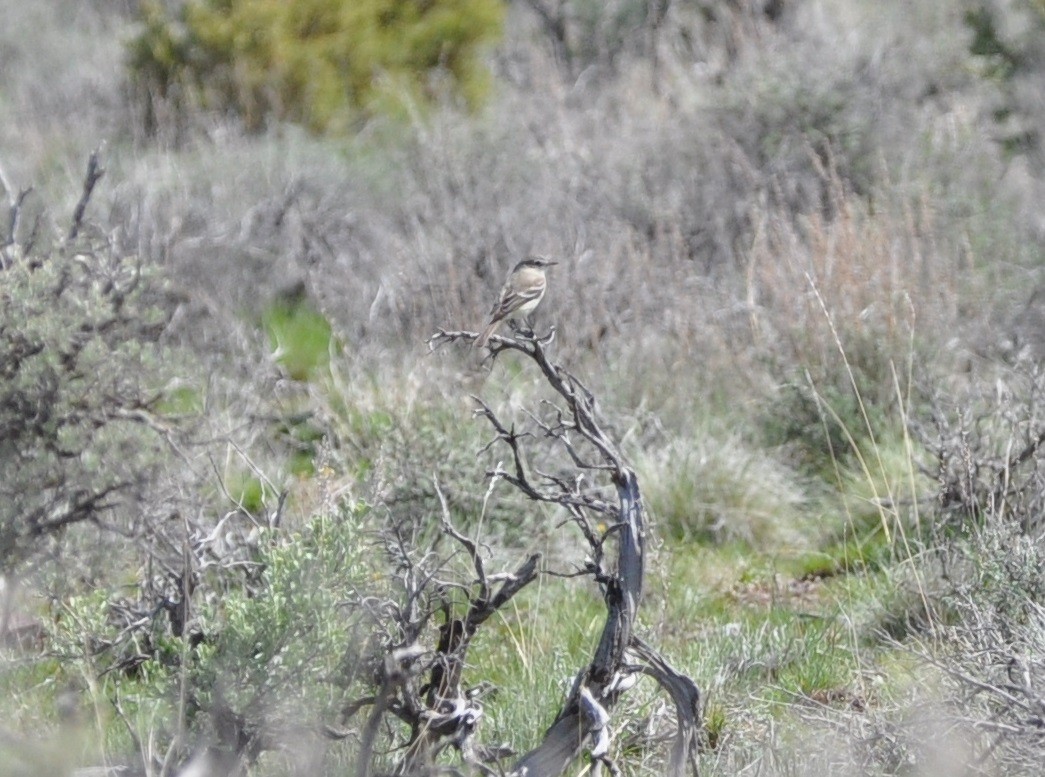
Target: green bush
x=288, y=645
x=81, y=374
x=268, y=660
x=325, y=64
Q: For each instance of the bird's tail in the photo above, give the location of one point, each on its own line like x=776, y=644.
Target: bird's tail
x=480, y=341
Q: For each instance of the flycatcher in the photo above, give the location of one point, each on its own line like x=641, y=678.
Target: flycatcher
x=522, y=293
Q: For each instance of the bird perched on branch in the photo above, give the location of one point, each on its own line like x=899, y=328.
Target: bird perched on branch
x=522, y=293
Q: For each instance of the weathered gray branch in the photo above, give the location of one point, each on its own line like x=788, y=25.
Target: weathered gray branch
x=576, y=729
x=441, y=713
x=686, y=697
x=582, y=724
x=94, y=174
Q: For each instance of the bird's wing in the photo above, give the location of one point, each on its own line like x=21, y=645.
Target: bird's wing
x=513, y=299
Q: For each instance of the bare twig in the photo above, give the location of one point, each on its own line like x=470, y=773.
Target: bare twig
x=94, y=174
x=14, y=214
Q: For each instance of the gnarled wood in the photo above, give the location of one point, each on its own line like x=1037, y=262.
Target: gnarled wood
x=620, y=656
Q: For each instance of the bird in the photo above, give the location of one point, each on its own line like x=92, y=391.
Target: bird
x=522, y=293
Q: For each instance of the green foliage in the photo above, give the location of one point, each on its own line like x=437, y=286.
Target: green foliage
x=401, y=448
x=80, y=371
x=300, y=337
x=856, y=548
x=826, y=420
x=277, y=650
x=284, y=645
x=815, y=657
x=716, y=719
x=529, y=653
x=321, y=63
x=249, y=492
x=705, y=182
x=181, y=400
x=987, y=42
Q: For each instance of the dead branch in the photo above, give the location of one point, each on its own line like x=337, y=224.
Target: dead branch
x=15, y=212
x=686, y=697
x=449, y=715
x=93, y=175
x=419, y=684
x=582, y=724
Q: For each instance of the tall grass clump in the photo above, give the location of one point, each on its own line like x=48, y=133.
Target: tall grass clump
x=722, y=489
x=859, y=307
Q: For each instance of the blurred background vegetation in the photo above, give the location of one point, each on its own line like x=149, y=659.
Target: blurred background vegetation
x=324, y=64
x=801, y=251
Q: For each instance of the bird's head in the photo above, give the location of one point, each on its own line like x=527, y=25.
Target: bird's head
x=535, y=261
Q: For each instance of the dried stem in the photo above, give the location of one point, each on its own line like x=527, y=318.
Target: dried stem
x=94, y=174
